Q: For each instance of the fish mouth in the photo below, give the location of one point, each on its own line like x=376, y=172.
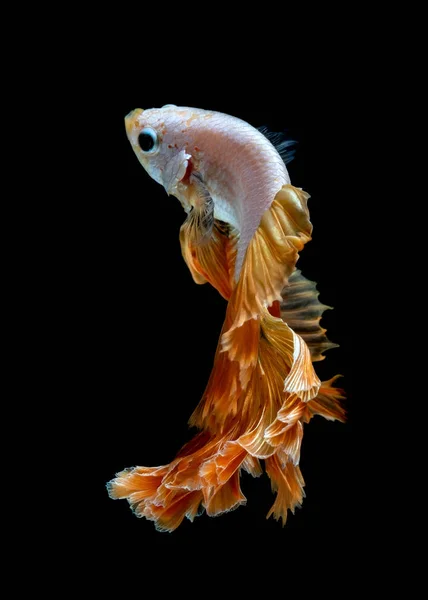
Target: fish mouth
x=131, y=119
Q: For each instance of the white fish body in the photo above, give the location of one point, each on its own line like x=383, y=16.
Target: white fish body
x=240, y=168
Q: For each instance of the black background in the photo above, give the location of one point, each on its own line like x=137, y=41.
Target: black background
x=151, y=333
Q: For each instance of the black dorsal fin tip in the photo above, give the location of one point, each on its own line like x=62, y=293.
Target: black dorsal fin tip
x=283, y=144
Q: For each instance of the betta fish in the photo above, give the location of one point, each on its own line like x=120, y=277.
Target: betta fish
x=244, y=228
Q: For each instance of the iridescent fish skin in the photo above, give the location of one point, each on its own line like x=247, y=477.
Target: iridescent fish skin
x=245, y=225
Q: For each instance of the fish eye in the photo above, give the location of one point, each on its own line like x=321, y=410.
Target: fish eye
x=148, y=140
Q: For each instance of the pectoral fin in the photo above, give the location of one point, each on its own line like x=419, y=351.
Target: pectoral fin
x=175, y=171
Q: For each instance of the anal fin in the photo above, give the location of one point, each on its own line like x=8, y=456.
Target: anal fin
x=302, y=311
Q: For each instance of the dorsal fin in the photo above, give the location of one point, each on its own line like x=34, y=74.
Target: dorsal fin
x=284, y=146
x=302, y=311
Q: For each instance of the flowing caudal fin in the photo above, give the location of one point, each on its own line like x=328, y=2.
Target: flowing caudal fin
x=328, y=403
x=263, y=386
x=287, y=481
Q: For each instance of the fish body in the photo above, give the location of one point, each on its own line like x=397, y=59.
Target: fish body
x=244, y=228
x=241, y=169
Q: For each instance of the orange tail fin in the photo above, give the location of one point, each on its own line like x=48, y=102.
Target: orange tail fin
x=263, y=386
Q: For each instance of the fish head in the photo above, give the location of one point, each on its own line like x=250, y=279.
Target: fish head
x=159, y=138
